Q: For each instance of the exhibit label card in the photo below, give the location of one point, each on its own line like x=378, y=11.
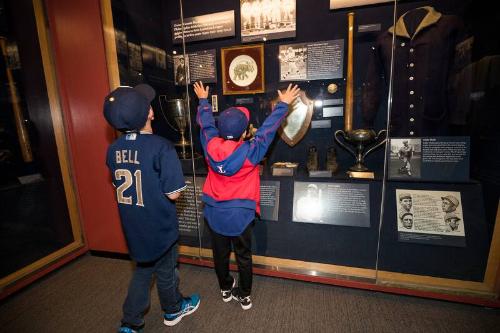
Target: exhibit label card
x=187, y=209
x=210, y=26
x=332, y=203
x=430, y=217
x=444, y=158
x=263, y=20
x=201, y=67
x=312, y=61
x=269, y=200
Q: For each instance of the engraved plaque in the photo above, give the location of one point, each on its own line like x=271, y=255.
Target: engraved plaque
x=298, y=120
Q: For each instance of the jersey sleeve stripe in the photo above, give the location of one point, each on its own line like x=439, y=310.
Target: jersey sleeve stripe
x=178, y=190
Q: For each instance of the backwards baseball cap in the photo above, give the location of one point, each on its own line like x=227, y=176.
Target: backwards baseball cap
x=127, y=108
x=233, y=122
x=451, y=199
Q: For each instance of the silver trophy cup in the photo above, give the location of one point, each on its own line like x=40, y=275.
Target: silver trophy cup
x=176, y=115
x=363, y=141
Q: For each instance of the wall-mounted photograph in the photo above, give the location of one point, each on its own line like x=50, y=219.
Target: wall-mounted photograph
x=267, y=19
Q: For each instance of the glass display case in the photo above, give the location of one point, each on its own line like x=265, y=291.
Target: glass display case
x=384, y=174
x=39, y=218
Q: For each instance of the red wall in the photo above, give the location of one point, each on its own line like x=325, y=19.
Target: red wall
x=76, y=31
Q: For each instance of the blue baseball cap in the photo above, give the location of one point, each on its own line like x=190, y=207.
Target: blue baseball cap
x=127, y=108
x=233, y=122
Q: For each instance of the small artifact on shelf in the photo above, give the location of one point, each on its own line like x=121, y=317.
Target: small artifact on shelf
x=284, y=168
x=332, y=88
x=313, y=164
x=331, y=160
x=312, y=159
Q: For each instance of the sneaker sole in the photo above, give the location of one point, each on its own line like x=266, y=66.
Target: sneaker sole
x=226, y=300
x=244, y=307
x=178, y=319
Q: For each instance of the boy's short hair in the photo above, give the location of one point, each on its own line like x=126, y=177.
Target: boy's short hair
x=233, y=122
x=127, y=108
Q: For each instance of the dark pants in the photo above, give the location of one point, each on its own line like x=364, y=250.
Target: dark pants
x=167, y=282
x=242, y=245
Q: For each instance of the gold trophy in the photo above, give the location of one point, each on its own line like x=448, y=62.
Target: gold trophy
x=364, y=141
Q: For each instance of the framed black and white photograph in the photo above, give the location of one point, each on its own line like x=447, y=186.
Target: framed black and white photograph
x=263, y=20
x=181, y=70
x=405, y=159
x=293, y=62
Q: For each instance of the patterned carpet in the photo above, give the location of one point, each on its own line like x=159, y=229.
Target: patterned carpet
x=86, y=296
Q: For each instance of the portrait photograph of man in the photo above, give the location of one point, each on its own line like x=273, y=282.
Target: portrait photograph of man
x=181, y=73
x=308, y=207
x=406, y=220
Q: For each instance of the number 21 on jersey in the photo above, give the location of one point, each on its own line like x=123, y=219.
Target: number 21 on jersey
x=129, y=181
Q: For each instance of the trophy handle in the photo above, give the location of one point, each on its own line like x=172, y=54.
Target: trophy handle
x=341, y=132
x=372, y=148
x=163, y=112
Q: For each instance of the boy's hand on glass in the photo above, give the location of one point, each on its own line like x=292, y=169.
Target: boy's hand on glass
x=291, y=93
x=200, y=91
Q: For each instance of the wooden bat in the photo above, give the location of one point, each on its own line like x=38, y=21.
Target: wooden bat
x=22, y=132
x=349, y=89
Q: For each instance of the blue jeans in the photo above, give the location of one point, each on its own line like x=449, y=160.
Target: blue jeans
x=167, y=282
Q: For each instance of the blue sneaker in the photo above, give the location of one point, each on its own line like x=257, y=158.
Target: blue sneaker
x=189, y=305
x=126, y=329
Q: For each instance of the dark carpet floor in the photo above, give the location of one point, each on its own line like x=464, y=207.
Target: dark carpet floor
x=86, y=296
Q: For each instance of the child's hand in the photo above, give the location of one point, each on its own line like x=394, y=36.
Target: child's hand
x=200, y=91
x=251, y=132
x=290, y=94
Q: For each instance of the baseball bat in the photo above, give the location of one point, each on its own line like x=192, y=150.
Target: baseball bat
x=349, y=99
x=22, y=132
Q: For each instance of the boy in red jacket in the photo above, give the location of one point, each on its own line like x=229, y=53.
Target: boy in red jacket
x=232, y=189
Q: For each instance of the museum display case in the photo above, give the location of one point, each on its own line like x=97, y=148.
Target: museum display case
x=39, y=217
x=384, y=174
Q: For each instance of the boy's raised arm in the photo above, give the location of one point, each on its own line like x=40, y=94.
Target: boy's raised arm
x=204, y=117
x=265, y=134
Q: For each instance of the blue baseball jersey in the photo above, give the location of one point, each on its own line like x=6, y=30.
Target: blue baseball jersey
x=145, y=168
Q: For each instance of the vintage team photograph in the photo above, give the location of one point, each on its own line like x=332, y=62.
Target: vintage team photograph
x=267, y=19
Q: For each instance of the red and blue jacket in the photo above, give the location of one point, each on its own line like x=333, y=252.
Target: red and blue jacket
x=232, y=189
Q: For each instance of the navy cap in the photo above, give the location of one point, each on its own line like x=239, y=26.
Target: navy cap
x=233, y=122
x=127, y=108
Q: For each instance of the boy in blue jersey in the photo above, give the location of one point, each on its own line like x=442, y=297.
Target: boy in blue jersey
x=231, y=192
x=148, y=178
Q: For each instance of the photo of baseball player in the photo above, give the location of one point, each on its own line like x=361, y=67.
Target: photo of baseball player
x=405, y=158
x=293, y=62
